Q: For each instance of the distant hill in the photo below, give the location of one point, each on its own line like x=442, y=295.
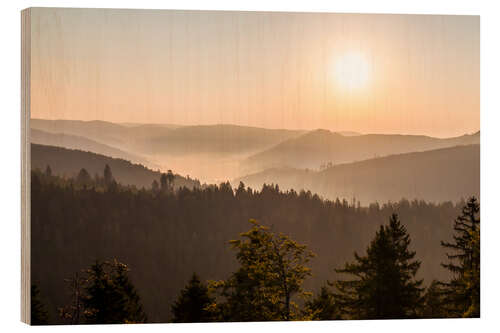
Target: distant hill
x=150, y=139
x=68, y=162
x=315, y=148
x=436, y=175
x=84, y=144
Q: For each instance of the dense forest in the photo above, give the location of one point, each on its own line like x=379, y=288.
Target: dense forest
x=159, y=236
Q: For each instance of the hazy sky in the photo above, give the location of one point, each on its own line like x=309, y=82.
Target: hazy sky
x=415, y=74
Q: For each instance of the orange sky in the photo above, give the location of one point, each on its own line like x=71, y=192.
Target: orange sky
x=275, y=70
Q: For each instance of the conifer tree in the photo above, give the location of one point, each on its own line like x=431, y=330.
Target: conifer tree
x=48, y=171
x=110, y=296
x=39, y=314
x=385, y=286
x=191, y=305
x=104, y=294
x=461, y=293
x=155, y=187
x=433, y=302
x=108, y=176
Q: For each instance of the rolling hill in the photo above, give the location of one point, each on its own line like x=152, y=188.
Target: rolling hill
x=435, y=175
x=84, y=144
x=68, y=162
x=150, y=139
x=318, y=147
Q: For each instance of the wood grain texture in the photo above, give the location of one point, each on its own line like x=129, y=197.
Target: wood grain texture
x=25, y=166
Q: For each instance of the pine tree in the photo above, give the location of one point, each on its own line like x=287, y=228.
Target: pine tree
x=170, y=180
x=39, y=314
x=163, y=182
x=433, y=302
x=191, y=305
x=272, y=270
x=110, y=296
x=385, y=286
x=461, y=293
x=155, y=187
x=103, y=294
x=83, y=178
x=48, y=171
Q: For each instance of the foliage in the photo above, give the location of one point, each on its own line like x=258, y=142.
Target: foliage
x=385, y=286
x=188, y=230
x=103, y=295
x=462, y=292
x=433, y=302
x=192, y=304
x=272, y=271
x=39, y=314
x=322, y=307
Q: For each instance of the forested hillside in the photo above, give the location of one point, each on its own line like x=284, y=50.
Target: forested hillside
x=82, y=143
x=164, y=236
x=317, y=149
x=68, y=162
x=431, y=175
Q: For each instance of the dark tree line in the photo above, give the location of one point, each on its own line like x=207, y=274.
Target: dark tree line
x=166, y=235
x=383, y=282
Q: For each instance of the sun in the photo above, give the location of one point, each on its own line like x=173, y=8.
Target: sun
x=352, y=71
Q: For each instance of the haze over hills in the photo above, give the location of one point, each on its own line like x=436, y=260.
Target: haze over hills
x=315, y=148
x=216, y=153
x=68, y=162
x=211, y=153
x=171, y=139
x=435, y=175
x=84, y=144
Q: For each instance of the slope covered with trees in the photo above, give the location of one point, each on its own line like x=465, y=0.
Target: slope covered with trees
x=69, y=163
x=166, y=235
x=82, y=143
x=316, y=149
x=436, y=175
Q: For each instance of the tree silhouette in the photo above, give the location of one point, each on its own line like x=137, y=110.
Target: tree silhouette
x=83, y=178
x=385, y=286
x=155, y=187
x=164, y=182
x=191, y=305
x=110, y=296
x=48, y=171
x=108, y=175
x=104, y=294
x=433, y=301
x=461, y=293
x=170, y=180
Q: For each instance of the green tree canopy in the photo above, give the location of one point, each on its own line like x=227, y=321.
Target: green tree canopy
x=272, y=271
x=191, y=305
x=385, y=286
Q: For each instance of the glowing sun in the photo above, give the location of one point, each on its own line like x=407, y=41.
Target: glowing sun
x=352, y=71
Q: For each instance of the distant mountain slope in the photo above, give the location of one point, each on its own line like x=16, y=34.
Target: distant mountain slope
x=171, y=140
x=68, y=162
x=436, y=175
x=318, y=147
x=84, y=144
